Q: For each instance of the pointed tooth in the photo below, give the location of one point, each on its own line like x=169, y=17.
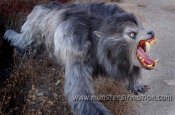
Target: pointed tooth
x=149, y=65
x=140, y=57
x=147, y=46
x=144, y=64
x=156, y=60
x=155, y=64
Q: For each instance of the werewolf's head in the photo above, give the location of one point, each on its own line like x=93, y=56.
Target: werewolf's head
x=123, y=40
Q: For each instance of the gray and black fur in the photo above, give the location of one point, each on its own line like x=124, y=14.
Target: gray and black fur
x=85, y=38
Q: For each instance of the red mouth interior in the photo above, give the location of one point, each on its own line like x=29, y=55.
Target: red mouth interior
x=142, y=53
x=143, y=58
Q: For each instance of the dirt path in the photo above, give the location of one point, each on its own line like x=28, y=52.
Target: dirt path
x=160, y=16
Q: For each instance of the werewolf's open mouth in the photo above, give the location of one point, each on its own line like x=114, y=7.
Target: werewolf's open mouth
x=144, y=59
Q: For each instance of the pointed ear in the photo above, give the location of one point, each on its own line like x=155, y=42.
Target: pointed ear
x=98, y=34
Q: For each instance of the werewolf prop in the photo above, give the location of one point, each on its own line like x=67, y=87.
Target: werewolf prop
x=86, y=39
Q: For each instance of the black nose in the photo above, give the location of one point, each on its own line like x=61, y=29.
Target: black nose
x=151, y=33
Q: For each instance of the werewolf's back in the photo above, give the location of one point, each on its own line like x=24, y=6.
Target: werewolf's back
x=101, y=10
x=44, y=20
x=55, y=13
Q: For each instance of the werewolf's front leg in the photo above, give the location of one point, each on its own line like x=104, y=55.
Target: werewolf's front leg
x=19, y=41
x=135, y=84
x=78, y=87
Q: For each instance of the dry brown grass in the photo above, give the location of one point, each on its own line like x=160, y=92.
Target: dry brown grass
x=31, y=87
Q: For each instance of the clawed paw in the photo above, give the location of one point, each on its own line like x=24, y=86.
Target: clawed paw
x=138, y=89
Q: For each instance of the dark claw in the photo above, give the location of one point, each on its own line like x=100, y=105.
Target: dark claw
x=139, y=89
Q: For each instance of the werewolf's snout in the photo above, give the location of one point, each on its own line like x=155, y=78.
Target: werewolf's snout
x=142, y=49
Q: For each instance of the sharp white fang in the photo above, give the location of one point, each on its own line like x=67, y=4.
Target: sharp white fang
x=156, y=60
x=147, y=46
x=149, y=65
x=144, y=64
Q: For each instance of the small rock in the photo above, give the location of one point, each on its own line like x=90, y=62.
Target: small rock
x=58, y=82
x=40, y=94
x=169, y=82
x=50, y=102
x=53, y=69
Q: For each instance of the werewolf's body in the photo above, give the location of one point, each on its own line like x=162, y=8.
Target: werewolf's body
x=68, y=34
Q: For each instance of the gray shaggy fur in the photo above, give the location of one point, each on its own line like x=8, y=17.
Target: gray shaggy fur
x=86, y=39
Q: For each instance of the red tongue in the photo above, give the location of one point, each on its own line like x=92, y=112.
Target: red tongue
x=141, y=53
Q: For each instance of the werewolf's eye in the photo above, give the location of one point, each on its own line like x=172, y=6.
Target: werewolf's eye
x=132, y=35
